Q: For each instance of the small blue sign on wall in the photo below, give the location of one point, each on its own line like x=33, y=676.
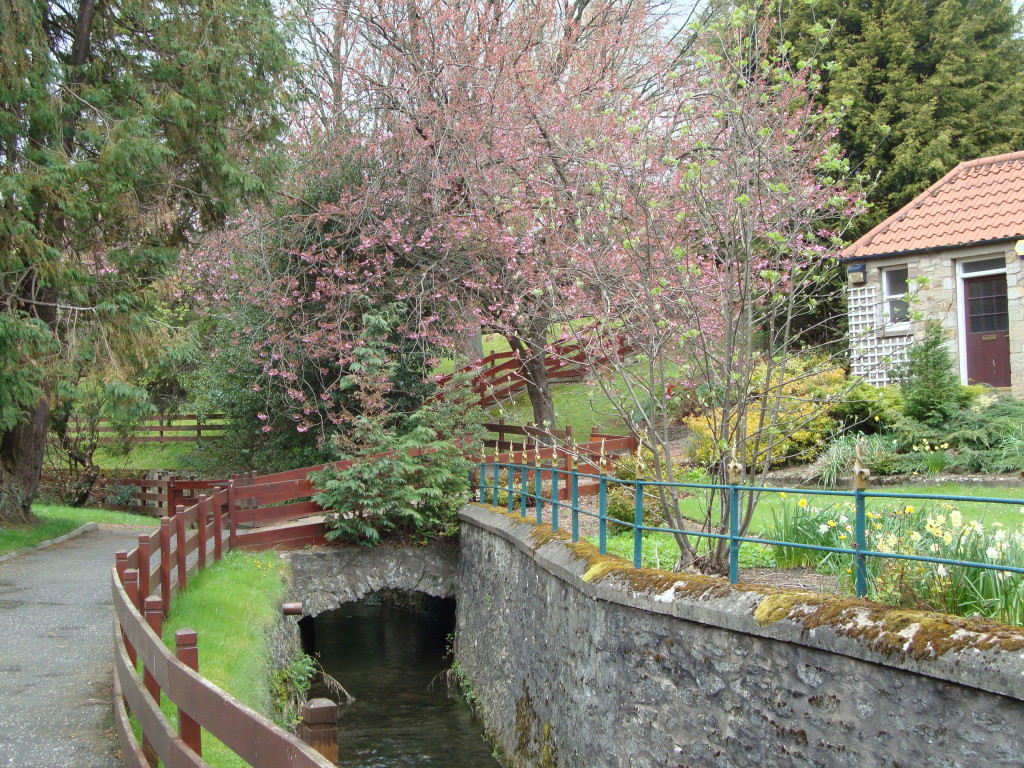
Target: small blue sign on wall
x=857, y=273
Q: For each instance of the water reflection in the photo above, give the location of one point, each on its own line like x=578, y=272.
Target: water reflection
x=391, y=659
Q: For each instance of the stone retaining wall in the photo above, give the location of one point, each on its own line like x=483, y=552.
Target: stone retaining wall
x=576, y=662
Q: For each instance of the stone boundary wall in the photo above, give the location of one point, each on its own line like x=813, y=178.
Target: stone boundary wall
x=576, y=661
x=326, y=579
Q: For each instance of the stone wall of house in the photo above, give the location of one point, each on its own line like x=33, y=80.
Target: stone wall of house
x=875, y=351
x=576, y=665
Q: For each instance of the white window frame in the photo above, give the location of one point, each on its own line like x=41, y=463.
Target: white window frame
x=889, y=327
x=961, y=297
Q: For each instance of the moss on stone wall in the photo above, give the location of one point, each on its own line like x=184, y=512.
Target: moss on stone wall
x=915, y=634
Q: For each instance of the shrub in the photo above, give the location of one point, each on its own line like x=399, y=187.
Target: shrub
x=122, y=496
x=868, y=409
x=805, y=400
x=399, y=492
x=928, y=383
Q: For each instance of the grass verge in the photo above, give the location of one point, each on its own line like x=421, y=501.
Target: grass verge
x=231, y=605
x=56, y=520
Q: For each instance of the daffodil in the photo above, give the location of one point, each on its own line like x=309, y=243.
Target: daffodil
x=822, y=529
x=802, y=503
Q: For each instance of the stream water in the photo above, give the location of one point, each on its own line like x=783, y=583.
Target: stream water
x=392, y=661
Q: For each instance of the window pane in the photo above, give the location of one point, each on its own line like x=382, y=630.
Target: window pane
x=984, y=265
x=899, y=311
x=896, y=281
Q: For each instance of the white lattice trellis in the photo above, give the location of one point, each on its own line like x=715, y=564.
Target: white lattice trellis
x=872, y=355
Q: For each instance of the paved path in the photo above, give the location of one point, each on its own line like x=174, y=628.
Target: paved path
x=56, y=654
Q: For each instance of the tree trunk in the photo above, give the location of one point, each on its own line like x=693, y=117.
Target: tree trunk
x=21, y=463
x=535, y=373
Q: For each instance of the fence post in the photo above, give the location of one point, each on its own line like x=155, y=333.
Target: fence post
x=131, y=588
x=202, y=510
x=602, y=511
x=319, y=727
x=187, y=651
x=218, y=525
x=180, y=550
x=735, y=475
x=155, y=618
x=232, y=521
x=144, y=566
x=169, y=500
x=860, y=484
x=165, y=563
x=120, y=564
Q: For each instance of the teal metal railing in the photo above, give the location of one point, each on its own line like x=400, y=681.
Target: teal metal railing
x=487, y=481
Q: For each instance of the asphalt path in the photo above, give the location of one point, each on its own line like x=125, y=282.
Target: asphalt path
x=56, y=654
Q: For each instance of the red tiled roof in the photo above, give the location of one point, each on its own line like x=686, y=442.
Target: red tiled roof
x=978, y=201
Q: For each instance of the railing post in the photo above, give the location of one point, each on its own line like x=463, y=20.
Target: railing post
x=202, y=510
x=155, y=618
x=165, y=562
x=180, y=550
x=144, y=566
x=511, y=481
x=524, y=473
x=218, y=525
x=638, y=523
x=575, y=502
x=319, y=727
x=538, y=488
x=131, y=588
x=602, y=511
x=187, y=651
x=735, y=475
x=860, y=484
x=555, y=468
x=496, y=472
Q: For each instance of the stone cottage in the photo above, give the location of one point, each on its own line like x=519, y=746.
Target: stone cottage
x=954, y=253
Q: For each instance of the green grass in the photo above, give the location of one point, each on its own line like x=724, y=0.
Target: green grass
x=231, y=605
x=55, y=520
x=169, y=456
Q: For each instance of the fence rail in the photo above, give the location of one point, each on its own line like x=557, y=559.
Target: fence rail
x=143, y=582
x=187, y=427
x=526, y=483
x=246, y=512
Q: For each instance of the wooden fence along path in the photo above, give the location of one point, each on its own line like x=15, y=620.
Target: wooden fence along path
x=500, y=375
x=187, y=427
x=250, y=512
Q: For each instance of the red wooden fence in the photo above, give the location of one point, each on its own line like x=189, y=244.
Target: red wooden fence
x=250, y=513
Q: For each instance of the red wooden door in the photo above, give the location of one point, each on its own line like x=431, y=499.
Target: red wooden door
x=988, y=331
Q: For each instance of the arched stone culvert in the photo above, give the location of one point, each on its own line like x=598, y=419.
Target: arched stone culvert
x=325, y=579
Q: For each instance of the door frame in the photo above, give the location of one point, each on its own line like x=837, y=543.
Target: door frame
x=961, y=294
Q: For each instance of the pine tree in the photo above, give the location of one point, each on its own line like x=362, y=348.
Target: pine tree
x=125, y=127
x=925, y=84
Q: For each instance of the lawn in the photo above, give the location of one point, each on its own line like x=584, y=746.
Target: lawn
x=57, y=520
x=660, y=549
x=231, y=605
